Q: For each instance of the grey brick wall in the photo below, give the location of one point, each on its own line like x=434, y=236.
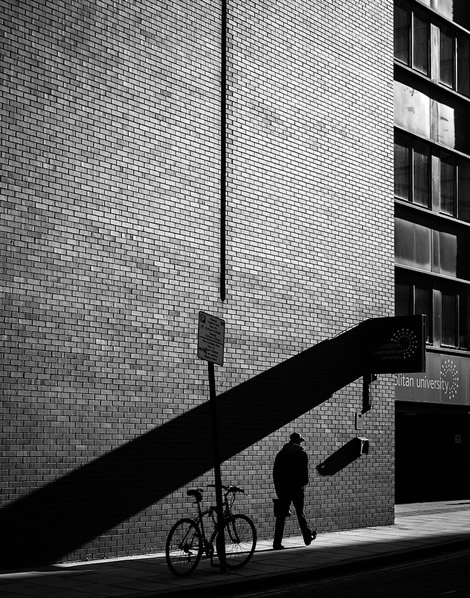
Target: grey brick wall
x=110, y=213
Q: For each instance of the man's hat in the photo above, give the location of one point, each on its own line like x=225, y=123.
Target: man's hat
x=297, y=438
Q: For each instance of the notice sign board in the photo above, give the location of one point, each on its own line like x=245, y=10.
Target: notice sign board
x=210, y=340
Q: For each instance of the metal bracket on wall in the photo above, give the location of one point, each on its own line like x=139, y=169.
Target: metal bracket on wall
x=367, y=396
x=358, y=420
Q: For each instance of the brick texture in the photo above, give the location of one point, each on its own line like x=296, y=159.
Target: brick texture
x=110, y=244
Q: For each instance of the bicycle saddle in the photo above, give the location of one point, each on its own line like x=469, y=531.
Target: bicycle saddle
x=196, y=493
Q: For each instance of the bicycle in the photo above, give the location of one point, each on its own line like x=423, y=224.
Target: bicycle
x=187, y=540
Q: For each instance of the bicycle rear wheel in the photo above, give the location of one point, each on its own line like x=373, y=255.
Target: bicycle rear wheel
x=183, y=547
x=240, y=541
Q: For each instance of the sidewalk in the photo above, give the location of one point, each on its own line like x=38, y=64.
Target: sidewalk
x=419, y=530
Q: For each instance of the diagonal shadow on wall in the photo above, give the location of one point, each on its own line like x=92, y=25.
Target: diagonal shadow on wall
x=44, y=526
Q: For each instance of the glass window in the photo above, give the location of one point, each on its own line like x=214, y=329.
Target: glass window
x=414, y=295
x=420, y=45
x=446, y=124
x=402, y=170
x=445, y=7
x=449, y=319
x=446, y=59
x=455, y=10
x=412, y=244
x=448, y=185
x=447, y=254
x=463, y=62
x=464, y=320
x=402, y=298
x=422, y=247
x=412, y=171
x=421, y=172
x=413, y=47
x=401, y=30
x=423, y=305
x=464, y=191
x=405, y=242
x=412, y=110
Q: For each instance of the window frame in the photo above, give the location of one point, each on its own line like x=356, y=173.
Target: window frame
x=414, y=147
x=448, y=328
x=437, y=155
x=417, y=15
x=434, y=23
x=461, y=316
x=451, y=161
x=407, y=284
x=443, y=30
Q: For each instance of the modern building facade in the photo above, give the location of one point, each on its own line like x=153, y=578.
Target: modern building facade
x=162, y=160
x=432, y=220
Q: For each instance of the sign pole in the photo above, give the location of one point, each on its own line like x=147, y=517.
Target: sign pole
x=210, y=346
x=220, y=541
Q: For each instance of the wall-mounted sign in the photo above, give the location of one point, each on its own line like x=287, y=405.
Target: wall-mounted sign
x=446, y=380
x=397, y=344
x=211, y=336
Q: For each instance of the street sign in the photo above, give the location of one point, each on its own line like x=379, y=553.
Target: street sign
x=211, y=336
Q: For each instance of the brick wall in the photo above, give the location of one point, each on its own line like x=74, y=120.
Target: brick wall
x=310, y=244
x=110, y=199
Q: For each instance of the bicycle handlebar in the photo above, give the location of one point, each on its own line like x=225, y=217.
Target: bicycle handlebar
x=197, y=492
x=228, y=488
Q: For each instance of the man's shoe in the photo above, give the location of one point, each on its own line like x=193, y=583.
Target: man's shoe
x=312, y=537
x=278, y=547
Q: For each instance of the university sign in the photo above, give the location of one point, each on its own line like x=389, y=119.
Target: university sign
x=445, y=381
x=397, y=344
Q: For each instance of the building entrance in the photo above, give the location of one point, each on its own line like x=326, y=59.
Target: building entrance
x=432, y=453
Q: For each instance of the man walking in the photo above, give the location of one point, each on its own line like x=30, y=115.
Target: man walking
x=290, y=475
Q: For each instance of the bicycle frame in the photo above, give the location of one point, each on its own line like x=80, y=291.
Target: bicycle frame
x=199, y=519
x=211, y=513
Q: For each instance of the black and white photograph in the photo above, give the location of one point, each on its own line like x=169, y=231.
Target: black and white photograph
x=235, y=298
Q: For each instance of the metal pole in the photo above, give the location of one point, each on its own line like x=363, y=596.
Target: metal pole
x=218, y=478
x=223, y=143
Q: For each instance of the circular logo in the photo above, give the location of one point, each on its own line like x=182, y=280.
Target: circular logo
x=407, y=340
x=450, y=374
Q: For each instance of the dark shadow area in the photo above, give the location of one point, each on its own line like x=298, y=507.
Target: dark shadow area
x=430, y=465
x=343, y=457
x=49, y=523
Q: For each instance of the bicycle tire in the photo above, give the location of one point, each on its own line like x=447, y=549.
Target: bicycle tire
x=240, y=541
x=183, y=548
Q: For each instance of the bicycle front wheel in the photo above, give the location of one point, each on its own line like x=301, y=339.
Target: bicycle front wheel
x=240, y=541
x=183, y=547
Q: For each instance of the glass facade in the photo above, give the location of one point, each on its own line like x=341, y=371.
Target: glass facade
x=432, y=169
